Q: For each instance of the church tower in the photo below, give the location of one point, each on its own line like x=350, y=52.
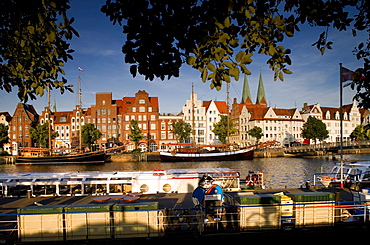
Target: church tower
x=246, y=96
x=261, y=96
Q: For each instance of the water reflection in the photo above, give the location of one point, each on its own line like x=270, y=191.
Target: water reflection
x=279, y=172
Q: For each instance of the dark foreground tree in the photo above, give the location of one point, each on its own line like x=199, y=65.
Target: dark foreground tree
x=90, y=134
x=216, y=37
x=314, y=129
x=220, y=37
x=33, y=46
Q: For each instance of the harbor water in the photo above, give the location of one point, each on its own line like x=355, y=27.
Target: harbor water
x=279, y=172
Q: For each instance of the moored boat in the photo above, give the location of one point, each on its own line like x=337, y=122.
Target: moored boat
x=355, y=175
x=114, y=183
x=83, y=158
x=195, y=155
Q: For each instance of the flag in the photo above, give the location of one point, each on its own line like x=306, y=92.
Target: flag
x=346, y=75
x=80, y=69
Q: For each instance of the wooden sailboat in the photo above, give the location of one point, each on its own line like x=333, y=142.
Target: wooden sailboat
x=37, y=156
x=195, y=153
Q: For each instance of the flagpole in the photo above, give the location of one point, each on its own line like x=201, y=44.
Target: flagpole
x=341, y=124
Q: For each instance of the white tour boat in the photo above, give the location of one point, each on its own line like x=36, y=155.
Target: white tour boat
x=114, y=183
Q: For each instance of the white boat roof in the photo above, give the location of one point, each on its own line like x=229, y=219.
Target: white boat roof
x=109, y=175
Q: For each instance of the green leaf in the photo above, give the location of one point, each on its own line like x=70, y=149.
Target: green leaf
x=211, y=67
x=191, y=60
x=227, y=22
x=239, y=56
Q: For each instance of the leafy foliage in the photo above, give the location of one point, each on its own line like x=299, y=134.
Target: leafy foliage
x=361, y=132
x=90, y=134
x=4, y=138
x=256, y=132
x=40, y=134
x=314, y=129
x=220, y=129
x=220, y=37
x=181, y=130
x=135, y=133
x=33, y=47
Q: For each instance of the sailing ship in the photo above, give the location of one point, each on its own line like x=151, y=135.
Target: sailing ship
x=194, y=153
x=32, y=156
x=197, y=154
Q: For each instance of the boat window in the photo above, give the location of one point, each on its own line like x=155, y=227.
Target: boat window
x=167, y=187
x=121, y=178
x=89, y=179
x=144, y=188
x=52, y=179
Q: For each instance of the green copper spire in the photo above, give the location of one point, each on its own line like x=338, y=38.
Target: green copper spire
x=261, y=96
x=246, y=96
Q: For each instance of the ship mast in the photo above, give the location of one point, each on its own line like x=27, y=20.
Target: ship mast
x=49, y=123
x=228, y=114
x=193, y=113
x=80, y=112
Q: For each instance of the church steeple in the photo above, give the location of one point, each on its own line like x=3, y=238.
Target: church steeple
x=261, y=96
x=246, y=96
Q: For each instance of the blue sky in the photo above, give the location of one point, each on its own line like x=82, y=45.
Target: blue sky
x=315, y=78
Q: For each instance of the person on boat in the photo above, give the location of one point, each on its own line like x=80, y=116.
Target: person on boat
x=206, y=180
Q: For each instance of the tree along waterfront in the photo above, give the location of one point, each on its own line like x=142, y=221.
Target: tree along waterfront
x=279, y=172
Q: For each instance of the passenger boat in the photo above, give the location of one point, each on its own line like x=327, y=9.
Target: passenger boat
x=355, y=175
x=114, y=183
x=36, y=156
x=197, y=154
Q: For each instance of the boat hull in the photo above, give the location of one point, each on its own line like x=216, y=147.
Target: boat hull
x=217, y=156
x=87, y=158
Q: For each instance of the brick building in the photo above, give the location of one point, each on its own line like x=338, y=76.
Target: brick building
x=24, y=117
x=145, y=110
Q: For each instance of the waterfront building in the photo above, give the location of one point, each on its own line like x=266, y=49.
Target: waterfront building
x=24, y=117
x=194, y=113
x=145, y=110
x=331, y=117
x=106, y=115
x=5, y=118
x=67, y=124
x=213, y=111
x=280, y=125
x=166, y=135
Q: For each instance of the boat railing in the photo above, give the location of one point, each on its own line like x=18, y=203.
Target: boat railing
x=191, y=220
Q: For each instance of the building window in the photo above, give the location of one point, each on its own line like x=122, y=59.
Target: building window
x=141, y=109
x=152, y=117
x=103, y=102
x=141, y=101
x=150, y=109
x=133, y=109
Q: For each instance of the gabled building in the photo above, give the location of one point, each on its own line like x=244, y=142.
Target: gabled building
x=166, y=135
x=280, y=125
x=331, y=117
x=24, y=117
x=213, y=111
x=194, y=113
x=106, y=115
x=145, y=110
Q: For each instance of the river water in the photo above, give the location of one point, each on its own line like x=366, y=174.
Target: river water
x=279, y=172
